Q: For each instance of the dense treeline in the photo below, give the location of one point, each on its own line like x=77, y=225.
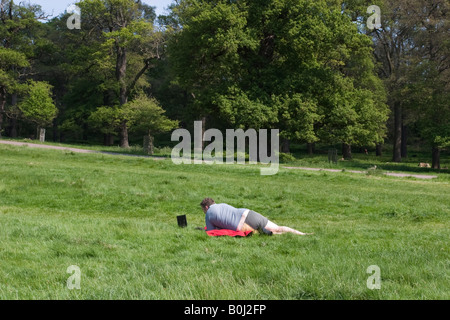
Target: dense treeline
x=313, y=69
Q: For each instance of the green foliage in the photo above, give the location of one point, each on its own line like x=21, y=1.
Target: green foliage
x=428, y=96
x=10, y=62
x=142, y=115
x=442, y=142
x=106, y=119
x=275, y=63
x=125, y=42
x=298, y=117
x=205, y=54
x=304, y=67
x=38, y=106
x=286, y=157
x=243, y=111
x=146, y=115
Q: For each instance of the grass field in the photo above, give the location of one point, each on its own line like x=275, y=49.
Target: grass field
x=115, y=218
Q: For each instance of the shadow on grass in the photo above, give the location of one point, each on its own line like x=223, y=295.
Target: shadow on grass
x=388, y=166
x=364, y=163
x=299, y=157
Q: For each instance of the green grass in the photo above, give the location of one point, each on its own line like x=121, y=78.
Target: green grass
x=300, y=158
x=362, y=161
x=115, y=218
x=134, y=149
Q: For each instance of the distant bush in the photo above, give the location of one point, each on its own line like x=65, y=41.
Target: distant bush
x=286, y=157
x=375, y=171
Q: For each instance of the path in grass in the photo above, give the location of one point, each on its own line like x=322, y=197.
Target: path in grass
x=394, y=174
x=402, y=175
x=78, y=150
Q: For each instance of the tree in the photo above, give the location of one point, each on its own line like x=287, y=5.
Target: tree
x=427, y=91
x=412, y=49
x=146, y=116
x=143, y=115
x=125, y=28
x=11, y=61
x=299, y=117
x=107, y=120
x=393, y=48
x=279, y=63
x=64, y=58
x=204, y=54
x=38, y=106
x=17, y=22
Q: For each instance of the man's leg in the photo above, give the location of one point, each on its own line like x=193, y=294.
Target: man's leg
x=256, y=222
x=246, y=227
x=276, y=229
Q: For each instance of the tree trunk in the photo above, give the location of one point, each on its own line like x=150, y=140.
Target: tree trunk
x=148, y=143
x=285, y=145
x=13, y=129
x=41, y=134
x=346, y=151
x=108, y=140
x=85, y=131
x=397, y=152
x=1, y=122
x=379, y=150
x=121, y=69
x=55, y=131
x=404, y=148
x=124, y=135
x=311, y=148
x=436, y=156
x=2, y=107
x=13, y=122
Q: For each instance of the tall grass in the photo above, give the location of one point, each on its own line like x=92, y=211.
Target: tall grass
x=115, y=218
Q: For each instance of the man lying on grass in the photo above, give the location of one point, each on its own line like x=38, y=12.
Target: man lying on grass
x=224, y=216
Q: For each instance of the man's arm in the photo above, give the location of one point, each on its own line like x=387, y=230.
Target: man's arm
x=209, y=225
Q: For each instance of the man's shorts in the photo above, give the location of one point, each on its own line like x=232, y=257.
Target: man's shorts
x=257, y=221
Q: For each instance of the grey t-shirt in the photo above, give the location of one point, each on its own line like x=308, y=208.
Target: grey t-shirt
x=223, y=216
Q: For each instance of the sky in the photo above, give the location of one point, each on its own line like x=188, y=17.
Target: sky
x=56, y=7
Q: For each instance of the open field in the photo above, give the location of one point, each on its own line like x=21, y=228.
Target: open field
x=298, y=157
x=115, y=218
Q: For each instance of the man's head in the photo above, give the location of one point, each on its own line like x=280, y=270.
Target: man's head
x=206, y=203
